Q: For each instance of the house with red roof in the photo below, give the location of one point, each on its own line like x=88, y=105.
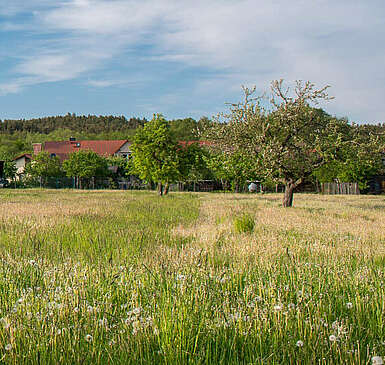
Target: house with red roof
x=62, y=149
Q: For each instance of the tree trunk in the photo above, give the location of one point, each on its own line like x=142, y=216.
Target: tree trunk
x=290, y=185
x=160, y=189
x=166, y=188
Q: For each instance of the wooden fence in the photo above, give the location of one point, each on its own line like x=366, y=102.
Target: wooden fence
x=340, y=188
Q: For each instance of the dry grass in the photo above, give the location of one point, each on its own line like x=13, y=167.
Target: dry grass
x=335, y=226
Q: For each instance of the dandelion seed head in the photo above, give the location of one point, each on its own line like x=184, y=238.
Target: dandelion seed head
x=377, y=360
x=349, y=305
x=332, y=338
x=299, y=343
x=137, y=310
x=88, y=338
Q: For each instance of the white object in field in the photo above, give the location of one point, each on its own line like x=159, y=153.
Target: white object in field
x=252, y=188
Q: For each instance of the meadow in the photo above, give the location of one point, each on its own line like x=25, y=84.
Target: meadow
x=118, y=277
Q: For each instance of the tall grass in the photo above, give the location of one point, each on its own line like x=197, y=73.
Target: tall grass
x=131, y=278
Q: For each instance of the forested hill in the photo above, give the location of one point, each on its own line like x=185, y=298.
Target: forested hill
x=88, y=124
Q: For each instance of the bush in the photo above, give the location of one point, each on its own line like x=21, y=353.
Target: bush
x=244, y=224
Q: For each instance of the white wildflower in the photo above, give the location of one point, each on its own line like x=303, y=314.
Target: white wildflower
x=332, y=338
x=349, y=305
x=88, y=338
x=377, y=360
x=299, y=343
x=137, y=311
x=8, y=347
x=278, y=307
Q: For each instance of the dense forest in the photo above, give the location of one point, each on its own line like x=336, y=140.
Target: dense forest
x=83, y=123
x=17, y=136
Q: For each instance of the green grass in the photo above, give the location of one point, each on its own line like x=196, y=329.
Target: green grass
x=132, y=278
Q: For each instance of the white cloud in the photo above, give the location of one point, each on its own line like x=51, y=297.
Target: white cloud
x=244, y=41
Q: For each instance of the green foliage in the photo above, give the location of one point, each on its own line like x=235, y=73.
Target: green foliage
x=9, y=170
x=83, y=123
x=85, y=164
x=244, y=224
x=193, y=163
x=119, y=162
x=44, y=166
x=358, y=160
x=155, y=155
x=236, y=168
x=184, y=129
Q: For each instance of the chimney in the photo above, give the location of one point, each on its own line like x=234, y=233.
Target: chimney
x=37, y=147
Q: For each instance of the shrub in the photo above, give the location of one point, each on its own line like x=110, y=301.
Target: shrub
x=244, y=224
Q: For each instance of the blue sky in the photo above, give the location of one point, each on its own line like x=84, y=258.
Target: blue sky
x=186, y=58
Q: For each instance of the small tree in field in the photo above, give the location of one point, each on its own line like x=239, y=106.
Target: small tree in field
x=288, y=140
x=155, y=154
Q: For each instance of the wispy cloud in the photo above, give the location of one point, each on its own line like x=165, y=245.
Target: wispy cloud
x=236, y=42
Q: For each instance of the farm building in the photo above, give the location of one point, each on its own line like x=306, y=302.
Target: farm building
x=62, y=149
x=20, y=163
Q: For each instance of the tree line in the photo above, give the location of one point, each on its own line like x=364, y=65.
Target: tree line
x=84, y=123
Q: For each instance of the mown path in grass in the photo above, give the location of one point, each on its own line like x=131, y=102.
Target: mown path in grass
x=128, y=277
